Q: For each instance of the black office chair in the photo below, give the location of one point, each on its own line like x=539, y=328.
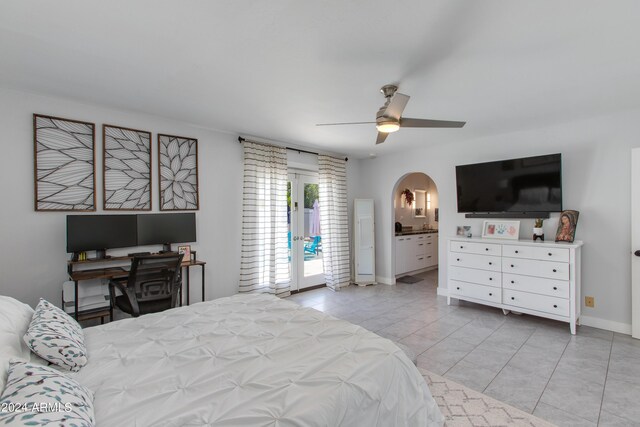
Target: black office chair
x=153, y=285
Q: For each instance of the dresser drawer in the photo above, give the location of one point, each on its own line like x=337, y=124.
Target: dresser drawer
x=476, y=248
x=554, y=288
x=483, y=277
x=483, y=262
x=532, y=252
x=542, y=303
x=552, y=254
x=530, y=267
x=472, y=290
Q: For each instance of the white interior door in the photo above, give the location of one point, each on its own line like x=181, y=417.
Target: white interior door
x=305, y=241
x=635, y=243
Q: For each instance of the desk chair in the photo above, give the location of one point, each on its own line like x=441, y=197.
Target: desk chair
x=152, y=285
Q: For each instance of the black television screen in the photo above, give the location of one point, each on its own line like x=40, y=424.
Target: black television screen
x=166, y=228
x=97, y=232
x=531, y=184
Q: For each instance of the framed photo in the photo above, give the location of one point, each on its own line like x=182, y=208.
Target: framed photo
x=567, y=226
x=499, y=229
x=186, y=251
x=178, y=173
x=127, y=169
x=64, y=157
x=460, y=230
x=463, y=230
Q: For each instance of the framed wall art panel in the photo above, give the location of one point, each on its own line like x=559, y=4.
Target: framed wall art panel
x=127, y=168
x=64, y=164
x=178, y=173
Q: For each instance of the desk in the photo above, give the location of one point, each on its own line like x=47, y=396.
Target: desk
x=117, y=272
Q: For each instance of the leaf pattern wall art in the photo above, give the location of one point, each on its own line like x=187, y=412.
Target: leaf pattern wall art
x=64, y=164
x=178, y=172
x=127, y=168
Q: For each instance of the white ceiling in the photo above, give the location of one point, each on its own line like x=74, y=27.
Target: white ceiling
x=275, y=68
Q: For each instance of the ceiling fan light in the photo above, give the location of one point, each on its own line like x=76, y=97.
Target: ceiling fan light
x=387, y=127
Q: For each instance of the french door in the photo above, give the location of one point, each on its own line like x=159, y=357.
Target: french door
x=304, y=236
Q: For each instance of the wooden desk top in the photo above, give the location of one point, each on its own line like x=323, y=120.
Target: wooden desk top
x=111, y=272
x=100, y=273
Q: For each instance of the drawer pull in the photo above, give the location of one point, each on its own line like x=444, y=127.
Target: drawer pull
x=420, y=259
x=511, y=265
x=458, y=259
x=490, y=294
x=458, y=288
x=516, y=251
x=555, y=271
x=513, y=298
x=490, y=263
x=461, y=247
x=429, y=256
x=486, y=249
x=550, y=254
x=490, y=278
x=555, y=306
x=555, y=288
x=513, y=281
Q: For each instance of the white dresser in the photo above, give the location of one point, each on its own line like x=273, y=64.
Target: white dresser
x=537, y=278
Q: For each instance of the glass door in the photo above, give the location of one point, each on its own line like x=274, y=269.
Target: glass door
x=305, y=241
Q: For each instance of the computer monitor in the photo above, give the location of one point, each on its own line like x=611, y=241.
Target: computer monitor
x=100, y=232
x=166, y=229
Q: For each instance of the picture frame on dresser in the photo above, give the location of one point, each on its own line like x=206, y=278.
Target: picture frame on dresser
x=501, y=229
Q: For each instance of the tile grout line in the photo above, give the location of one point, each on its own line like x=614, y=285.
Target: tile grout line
x=512, y=356
x=604, y=386
x=551, y=376
x=469, y=352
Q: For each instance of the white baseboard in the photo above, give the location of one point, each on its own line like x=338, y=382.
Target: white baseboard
x=609, y=325
x=443, y=291
x=385, y=280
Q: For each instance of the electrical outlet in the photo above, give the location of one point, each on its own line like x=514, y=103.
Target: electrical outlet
x=589, y=301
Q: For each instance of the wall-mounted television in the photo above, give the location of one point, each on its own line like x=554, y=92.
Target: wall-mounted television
x=100, y=232
x=527, y=185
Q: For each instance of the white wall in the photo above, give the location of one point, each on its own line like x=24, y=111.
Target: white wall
x=596, y=182
x=33, y=257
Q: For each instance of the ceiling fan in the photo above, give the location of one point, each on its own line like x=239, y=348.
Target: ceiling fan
x=389, y=117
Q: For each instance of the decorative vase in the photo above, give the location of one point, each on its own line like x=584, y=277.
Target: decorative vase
x=538, y=233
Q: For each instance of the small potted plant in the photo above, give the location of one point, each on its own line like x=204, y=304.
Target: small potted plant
x=408, y=196
x=538, y=231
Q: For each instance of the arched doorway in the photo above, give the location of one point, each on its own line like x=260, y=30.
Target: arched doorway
x=415, y=228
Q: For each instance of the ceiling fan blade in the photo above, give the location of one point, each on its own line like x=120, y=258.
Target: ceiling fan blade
x=339, y=124
x=396, y=106
x=381, y=137
x=426, y=123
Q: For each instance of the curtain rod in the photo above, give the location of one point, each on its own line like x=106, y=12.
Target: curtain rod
x=241, y=140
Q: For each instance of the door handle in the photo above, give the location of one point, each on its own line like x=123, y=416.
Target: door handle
x=637, y=253
x=295, y=238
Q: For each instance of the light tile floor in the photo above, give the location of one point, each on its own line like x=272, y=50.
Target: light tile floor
x=534, y=364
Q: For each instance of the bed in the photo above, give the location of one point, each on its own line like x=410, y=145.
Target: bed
x=250, y=360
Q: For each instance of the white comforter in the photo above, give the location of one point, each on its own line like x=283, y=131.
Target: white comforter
x=251, y=360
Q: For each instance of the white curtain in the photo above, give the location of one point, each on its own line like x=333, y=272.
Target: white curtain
x=264, y=261
x=334, y=221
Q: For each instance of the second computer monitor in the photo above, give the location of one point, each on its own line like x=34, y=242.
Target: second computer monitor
x=156, y=229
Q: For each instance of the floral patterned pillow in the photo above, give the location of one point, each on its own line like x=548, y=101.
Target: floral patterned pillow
x=37, y=396
x=56, y=337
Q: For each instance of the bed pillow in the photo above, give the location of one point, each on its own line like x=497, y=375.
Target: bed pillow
x=56, y=337
x=37, y=395
x=14, y=322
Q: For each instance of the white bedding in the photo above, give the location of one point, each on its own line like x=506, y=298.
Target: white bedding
x=250, y=360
